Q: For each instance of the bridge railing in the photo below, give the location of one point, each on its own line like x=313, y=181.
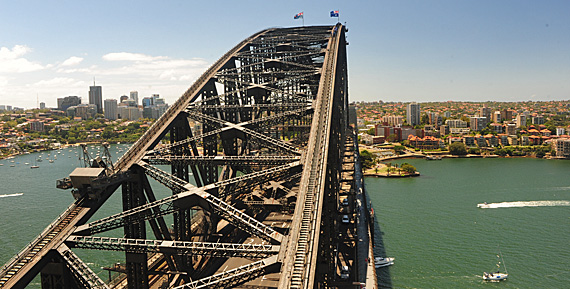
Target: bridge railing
x=33, y=243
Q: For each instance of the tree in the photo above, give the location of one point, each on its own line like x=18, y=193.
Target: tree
x=457, y=148
x=424, y=119
x=408, y=168
x=367, y=159
x=399, y=149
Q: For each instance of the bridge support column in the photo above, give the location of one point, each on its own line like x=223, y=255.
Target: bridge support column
x=136, y=263
x=55, y=275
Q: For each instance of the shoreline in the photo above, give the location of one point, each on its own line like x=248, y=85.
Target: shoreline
x=63, y=146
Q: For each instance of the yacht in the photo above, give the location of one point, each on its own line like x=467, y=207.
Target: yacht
x=383, y=262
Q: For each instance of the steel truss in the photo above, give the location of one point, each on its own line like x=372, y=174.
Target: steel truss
x=241, y=126
x=221, y=250
x=80, y=270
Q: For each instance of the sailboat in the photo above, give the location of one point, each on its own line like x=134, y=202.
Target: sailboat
x=498, y=276
x=35, y=166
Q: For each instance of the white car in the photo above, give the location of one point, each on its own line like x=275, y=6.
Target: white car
x=344, y=273
x=345, y=202
x=345, y=219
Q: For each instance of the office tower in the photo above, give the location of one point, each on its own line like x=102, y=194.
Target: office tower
x=147, y=102
x=96, y=97
x=64, y=103
x=413, y=113
x=111, y=109
x=123, y=98
x=135, y=96
x=42, y=105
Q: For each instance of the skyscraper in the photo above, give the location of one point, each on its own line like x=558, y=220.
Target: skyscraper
x=135, y=96
x=413, y=113
x=111, y=109
x=64, y=103
x=96, y=97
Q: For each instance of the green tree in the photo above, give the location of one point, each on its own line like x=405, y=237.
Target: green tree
x=367, y=159
x=457, y=148
x=408, y=168
x=399, y=149
x=424, y=119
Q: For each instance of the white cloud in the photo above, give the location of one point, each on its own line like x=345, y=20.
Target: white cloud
x=11, y=60
x=73, y=60
x=127, y=56
x=58, y=82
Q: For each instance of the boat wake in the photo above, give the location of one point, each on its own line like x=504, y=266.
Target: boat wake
x=524, y=204
x=11, y=195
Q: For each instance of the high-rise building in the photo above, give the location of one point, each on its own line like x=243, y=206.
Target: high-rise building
x=507, y=114
x=111, y=112
x=96, y=97
x=42, y=105
x=456, y=123
x=147, y=102
x=64, y=103
x=123, y=98
x=520, y=120
x=135, y=96
x=485, y=112
x=413, y=113
x=478, y=123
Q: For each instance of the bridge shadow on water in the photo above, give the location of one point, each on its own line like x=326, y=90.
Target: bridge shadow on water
x=383, y=273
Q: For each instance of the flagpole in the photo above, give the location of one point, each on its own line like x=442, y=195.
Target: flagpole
x=303, y=18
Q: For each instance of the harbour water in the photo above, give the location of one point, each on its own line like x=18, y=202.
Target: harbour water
x=29, y=202
x=440, y=238
x=431, y=224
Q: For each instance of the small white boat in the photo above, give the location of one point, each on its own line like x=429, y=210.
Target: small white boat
x=34, y=167
x=483, y=205
x=497, y=276
x=383, y=262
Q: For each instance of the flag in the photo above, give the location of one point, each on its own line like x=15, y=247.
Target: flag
x=334, y=13
x=299, y=15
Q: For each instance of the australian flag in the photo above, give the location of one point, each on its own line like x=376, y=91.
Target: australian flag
x=299, y=15
x=334, y=13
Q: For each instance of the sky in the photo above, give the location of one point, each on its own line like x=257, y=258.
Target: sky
x=399, y=50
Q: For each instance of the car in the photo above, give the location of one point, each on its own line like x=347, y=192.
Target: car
x=345, y=202
x=344, y=273
x=345, y=219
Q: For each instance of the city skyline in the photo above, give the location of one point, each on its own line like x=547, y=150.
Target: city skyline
x=399, y=50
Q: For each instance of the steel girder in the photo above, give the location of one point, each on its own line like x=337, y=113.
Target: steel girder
x=222, y=160
x=230, y=278
x=222, y=250
x=80, y=270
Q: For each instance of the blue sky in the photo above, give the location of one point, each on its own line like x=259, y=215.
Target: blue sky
x=399, y=50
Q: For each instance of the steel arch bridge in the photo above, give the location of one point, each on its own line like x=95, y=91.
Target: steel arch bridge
x=259, y=135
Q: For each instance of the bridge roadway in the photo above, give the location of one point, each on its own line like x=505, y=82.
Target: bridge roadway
x=316, y=61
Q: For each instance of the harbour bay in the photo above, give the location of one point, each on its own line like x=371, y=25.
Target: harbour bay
x=441, y=239
x=431, y=223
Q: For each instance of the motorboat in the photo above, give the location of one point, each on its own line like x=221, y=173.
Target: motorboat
x=383, y=262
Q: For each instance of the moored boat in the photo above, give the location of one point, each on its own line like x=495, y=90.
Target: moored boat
x=383, y=262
